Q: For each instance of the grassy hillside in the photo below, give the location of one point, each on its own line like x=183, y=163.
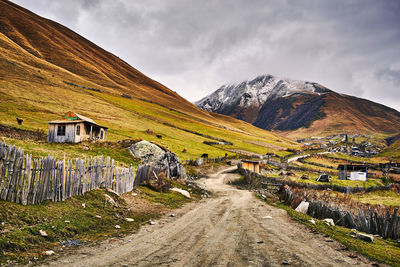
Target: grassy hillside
x=47, y=70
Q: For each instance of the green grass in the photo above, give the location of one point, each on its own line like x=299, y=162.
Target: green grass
x=387, y=198
x=385, y=251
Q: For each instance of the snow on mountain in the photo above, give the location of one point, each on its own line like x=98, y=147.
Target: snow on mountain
x=256, y=92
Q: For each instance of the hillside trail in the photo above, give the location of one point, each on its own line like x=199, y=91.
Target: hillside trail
x=228, y=229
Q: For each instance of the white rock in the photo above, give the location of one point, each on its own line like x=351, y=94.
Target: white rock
x=329, y=222
x=129, y=219
x=98, y=216
x=365, y=237
x=267, y=217
x=134, y=194
x=66, y=221
x=183, y=192
x=49, y=252
x=43, y=233
x=172, y=215
x=83, y=205
x=312, y=221
x=111, y=191
x=152, y=223
x=117, y=227
x=110, y=200
x=303, y=207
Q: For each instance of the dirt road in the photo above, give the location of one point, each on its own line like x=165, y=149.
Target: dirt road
x=228, y=229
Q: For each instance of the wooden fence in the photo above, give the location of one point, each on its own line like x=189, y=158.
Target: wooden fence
x=30, y=181
x=372, y=219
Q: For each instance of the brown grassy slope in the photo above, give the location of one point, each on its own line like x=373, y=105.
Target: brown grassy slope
x=352, y=115
x=59, y=46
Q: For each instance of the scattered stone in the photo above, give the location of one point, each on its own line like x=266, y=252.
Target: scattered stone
x=66, y=221
x=152, y=223
x=83, y=205
x=117, y=227
x=312, y=221
x=110, y=200
x=305, y=177
x=98, y=216
x=353, y=232
x=285, y=263
x=134, y=194
x=172, y=215
x=52, y=227
x=303, y=207
x=183, y=192
x=199, y=161
x=329, y=222
x=260, y=242
x=365, y=237
x=267, y=217
x=86, y=148
x=111, y=191
x=43, y=233
x=71, y=242
x=129, y=219
x=49, y=252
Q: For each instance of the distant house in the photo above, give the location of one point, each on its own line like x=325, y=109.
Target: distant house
x=75, y=128
x=251, y=165
x=353, y=172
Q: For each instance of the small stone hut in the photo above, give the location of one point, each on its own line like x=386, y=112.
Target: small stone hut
x=251, y=165
x=74, y=128
x=353, y=172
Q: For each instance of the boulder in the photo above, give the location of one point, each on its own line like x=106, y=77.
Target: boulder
x=312, y=221
x=148, y=152
x=303, y=207
x=171, y=162
x=183, y=192
x=160, y=159
x=365, y=237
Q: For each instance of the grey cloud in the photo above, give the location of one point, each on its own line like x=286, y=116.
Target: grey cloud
x=195, y=46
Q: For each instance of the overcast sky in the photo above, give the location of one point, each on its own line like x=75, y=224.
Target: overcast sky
x=193, y=47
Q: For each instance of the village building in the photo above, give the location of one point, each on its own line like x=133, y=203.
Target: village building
x=353, y=172
x=251, y=165
x=74, y=128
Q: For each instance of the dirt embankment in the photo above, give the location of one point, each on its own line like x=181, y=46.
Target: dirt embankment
x=232, y=228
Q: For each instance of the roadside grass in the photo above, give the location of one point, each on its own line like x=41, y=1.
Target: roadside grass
x=382, y=250
x=386, y=198
x=21, y=242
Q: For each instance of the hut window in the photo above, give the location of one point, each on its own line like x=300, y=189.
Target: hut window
x=61, y=130
x=101, y=134
x=78, y=130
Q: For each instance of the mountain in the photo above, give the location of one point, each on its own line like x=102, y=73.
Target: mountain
x=299, y=108
x=47, y=69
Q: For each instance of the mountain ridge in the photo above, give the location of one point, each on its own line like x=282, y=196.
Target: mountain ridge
x=293, y=106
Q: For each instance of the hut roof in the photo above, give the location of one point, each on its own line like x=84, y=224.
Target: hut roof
x=72, y=118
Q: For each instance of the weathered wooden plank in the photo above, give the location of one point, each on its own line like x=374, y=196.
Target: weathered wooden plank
x=10, y=170
x=27, y=180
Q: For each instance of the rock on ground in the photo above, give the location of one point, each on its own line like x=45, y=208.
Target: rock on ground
x=303, y=207
x=183, y=192
x=146, y=151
